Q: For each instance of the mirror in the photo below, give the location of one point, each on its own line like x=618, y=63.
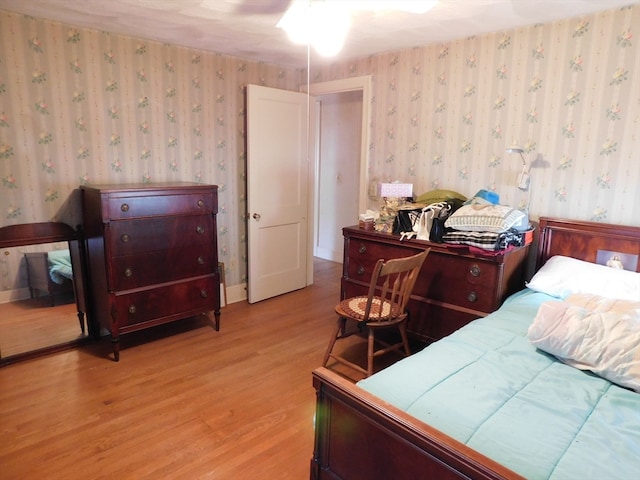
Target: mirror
x=42, y=300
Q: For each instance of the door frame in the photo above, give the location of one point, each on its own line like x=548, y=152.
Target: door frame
x=364, y=84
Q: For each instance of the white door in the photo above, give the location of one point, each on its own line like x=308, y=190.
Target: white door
x=277, y=191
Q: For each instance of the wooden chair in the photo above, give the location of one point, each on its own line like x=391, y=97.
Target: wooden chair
x=383, y=307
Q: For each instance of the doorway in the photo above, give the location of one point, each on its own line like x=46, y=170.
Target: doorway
x=341, y=125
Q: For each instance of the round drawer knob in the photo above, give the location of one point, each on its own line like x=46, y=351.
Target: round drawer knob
x=475, y=270
x=124, y=207
x=200, y=203
x=132, y=309
x=200, y=229
x=363, y=248
x=124, y=237
x=360, y=270
x=128, y=272
x=200, y=261
x=203, y=293
x=472, y=297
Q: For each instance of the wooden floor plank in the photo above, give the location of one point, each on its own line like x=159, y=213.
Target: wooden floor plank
x=183, y=402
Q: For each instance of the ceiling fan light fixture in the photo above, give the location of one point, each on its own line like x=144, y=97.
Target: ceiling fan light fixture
x=322, y=24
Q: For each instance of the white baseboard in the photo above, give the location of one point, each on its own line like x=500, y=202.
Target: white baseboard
x=237, y=293
x=7, y=296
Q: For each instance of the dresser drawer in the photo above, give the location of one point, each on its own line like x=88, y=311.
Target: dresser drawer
x=164, y=302
x=466, y=282
x=132, y=237
x=364, y=254
x=135, y=271
x=455, y=285
x=119, y=207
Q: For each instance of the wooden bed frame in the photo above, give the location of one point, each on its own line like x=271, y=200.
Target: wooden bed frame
x=359, y=436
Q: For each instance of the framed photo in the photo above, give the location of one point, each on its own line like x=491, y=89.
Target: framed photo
x=623, y=261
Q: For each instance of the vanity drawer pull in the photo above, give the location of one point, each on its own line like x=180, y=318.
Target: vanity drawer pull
x=360, y=270
x=200, y=261
x=132, y=309
x=200, y=203
x=475, y=270
x=124, y=207
x=363, y=248
x=472, y=297
x=124, y=238
x=128, y=272
x=200, y=229
x=203, y=294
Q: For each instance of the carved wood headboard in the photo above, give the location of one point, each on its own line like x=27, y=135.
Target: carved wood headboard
x=583, y=240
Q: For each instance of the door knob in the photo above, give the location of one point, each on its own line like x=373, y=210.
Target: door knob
x=256, y=216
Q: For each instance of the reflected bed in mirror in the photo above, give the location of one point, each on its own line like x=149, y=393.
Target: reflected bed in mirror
x=42, y=296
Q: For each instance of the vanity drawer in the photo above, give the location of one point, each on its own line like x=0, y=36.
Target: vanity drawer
x=133, y=206
x=132, y=237
x=164, y=302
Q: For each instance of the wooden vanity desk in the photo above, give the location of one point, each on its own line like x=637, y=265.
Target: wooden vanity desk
x=456, y=285
x=152, y=254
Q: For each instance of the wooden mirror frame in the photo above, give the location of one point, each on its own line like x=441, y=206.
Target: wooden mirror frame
x=50, y=232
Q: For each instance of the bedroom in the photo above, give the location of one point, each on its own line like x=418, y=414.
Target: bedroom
x=576, y=176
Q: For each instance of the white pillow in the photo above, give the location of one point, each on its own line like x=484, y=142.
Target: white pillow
x=594, y=333
x=563, y=276
x=484, y=218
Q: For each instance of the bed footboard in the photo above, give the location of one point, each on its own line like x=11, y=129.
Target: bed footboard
x=359, y=436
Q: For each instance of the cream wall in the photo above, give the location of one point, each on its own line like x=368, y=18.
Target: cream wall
x=568, y=92
x=82, y=106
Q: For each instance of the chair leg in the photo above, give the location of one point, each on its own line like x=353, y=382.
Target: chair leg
x=340, y=327
x=370, y=347
x=405, y=340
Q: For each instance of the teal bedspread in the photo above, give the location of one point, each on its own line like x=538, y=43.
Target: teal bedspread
x=488, y=387
x=60, y=265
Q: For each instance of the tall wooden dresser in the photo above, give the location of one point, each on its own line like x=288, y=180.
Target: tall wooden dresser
x=455, y=284
x=152, y=254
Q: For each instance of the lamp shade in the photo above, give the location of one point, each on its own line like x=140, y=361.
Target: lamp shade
x=395, y=190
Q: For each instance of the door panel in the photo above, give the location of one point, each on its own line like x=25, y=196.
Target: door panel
x=277, y=191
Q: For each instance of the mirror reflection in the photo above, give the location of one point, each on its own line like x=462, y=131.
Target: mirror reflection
x=40, y=306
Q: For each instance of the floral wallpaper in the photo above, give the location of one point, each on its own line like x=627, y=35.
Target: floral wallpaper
x=567, y=92
x=81, y=106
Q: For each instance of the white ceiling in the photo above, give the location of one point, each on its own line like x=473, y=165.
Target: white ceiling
x=246, y=28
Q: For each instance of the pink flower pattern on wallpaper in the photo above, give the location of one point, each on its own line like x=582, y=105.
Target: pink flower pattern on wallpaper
x=143, y=111
x=522, y=102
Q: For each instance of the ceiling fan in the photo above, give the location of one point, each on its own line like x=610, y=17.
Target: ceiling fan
x=324, y=24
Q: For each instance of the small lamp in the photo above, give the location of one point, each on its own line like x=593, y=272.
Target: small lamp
x=524, y=178
x=395, y=193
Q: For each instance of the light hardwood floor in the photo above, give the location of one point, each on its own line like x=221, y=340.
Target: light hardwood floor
x=32, y=324
x=184, y=402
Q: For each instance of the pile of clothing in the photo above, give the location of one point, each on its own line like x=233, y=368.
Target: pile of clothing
x=482, y=222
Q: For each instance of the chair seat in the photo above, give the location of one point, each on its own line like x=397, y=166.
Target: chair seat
x=381, y=310
x=389, y=291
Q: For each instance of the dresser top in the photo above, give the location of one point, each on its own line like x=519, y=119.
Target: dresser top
x=123, y=187
x=497, y=256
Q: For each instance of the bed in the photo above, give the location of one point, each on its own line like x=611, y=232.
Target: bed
x=50, y=272
x=485, y=402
